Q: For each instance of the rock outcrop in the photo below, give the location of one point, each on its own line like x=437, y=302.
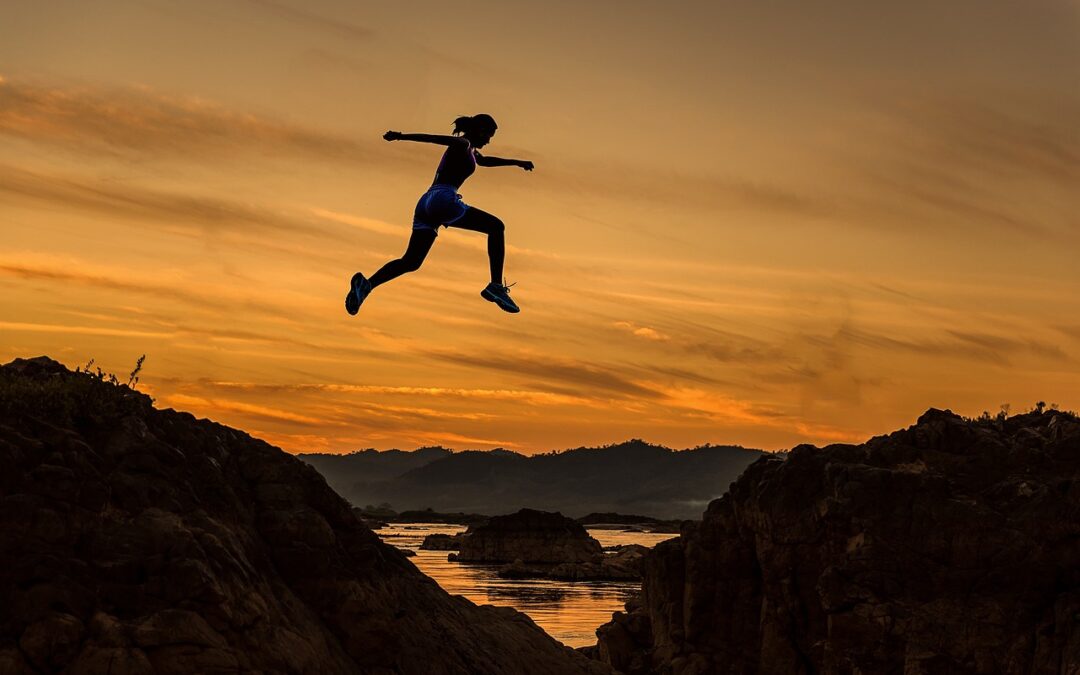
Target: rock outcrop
x=624, y=564
x=950, y=547
x=529, y=536
x=136, y=540
x=442, y=542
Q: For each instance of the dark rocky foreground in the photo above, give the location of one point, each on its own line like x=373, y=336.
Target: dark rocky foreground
x=135, y=540
x=950, y=547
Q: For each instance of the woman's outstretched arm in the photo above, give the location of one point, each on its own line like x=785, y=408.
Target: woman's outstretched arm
x=425, y=138
x=482, y=160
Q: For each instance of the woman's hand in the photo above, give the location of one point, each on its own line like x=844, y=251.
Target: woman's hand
x=527, y=165
x=392, y=135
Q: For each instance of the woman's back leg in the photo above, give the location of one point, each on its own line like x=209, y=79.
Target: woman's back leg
x=419, y=244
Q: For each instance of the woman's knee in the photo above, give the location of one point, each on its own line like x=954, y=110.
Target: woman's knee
x=496, y=226
x=411, y=264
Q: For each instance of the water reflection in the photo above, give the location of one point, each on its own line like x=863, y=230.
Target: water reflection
x=550, y=598
x=569, y=611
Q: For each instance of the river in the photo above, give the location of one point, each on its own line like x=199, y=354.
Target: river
x=570, y=611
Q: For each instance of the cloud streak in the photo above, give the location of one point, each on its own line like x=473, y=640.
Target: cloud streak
x=645, y=332
x=953, y=344
x=144, y=121
x=77, y=274
x=211, y=215
x=580, y=375
x=320, y=22
x=965, y=161
x=214, y=406
x=514, y=395
x=80, y=330
x=141, y=120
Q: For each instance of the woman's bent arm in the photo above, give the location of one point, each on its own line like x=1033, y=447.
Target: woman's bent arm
x=483, y=160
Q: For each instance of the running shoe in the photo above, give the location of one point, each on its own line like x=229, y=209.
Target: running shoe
x=500, y=295
x=360, y=289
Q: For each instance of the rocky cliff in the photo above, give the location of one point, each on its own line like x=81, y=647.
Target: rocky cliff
x=136, y=540
x=950, y=547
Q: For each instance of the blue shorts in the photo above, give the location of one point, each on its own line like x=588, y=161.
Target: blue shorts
x=440, y=205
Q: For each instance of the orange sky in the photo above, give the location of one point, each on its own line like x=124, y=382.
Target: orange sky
x=757, y=223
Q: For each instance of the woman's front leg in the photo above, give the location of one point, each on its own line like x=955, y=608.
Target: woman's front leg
x=482, y=221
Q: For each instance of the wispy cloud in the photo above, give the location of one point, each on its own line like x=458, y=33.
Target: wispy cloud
x=578, y=374
x=166, y=285
x=1032, y=136
x=367, y=224
x=717, y=193
x=321, y=22
x=717, y=406
x=1070, y=330
x=645, y=332
x=413, y=412
x=718, y=347
x=80, y=330
x=959, y=200
x=115, y=119
x=212, y=406
x=157, y=125
x=730, y=352
x=831, y=377
x=728, y=410
x=165, y=209
x=1008, y=345
x=514, y=395
x=650, y=371
x=141, y=120
x=457, y=440
x=977, y=162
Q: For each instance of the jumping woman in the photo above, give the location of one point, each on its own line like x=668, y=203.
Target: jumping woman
x=442, y=205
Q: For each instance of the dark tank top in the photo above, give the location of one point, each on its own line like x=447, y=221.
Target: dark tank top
x=456, y=165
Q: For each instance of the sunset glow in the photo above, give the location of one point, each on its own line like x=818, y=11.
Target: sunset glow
x=741, y=229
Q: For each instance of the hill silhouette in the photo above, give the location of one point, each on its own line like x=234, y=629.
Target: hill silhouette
x=373, y=465
x=630, y=477
x=138, y=540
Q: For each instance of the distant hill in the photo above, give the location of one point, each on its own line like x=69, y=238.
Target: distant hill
x=365, y=466
x=630, y=477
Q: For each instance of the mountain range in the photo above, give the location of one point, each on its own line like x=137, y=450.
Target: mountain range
x=630, y=477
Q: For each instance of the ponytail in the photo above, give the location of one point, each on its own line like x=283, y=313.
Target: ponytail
x=468, y=123
x=462, y=124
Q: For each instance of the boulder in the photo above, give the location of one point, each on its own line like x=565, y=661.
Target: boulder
x=531, y=537
x=624, y=564
x=442, y=542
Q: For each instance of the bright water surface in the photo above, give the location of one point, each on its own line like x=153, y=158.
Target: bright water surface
x=570, y=611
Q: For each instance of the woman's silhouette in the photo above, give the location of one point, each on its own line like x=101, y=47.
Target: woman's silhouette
x=442, y=205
